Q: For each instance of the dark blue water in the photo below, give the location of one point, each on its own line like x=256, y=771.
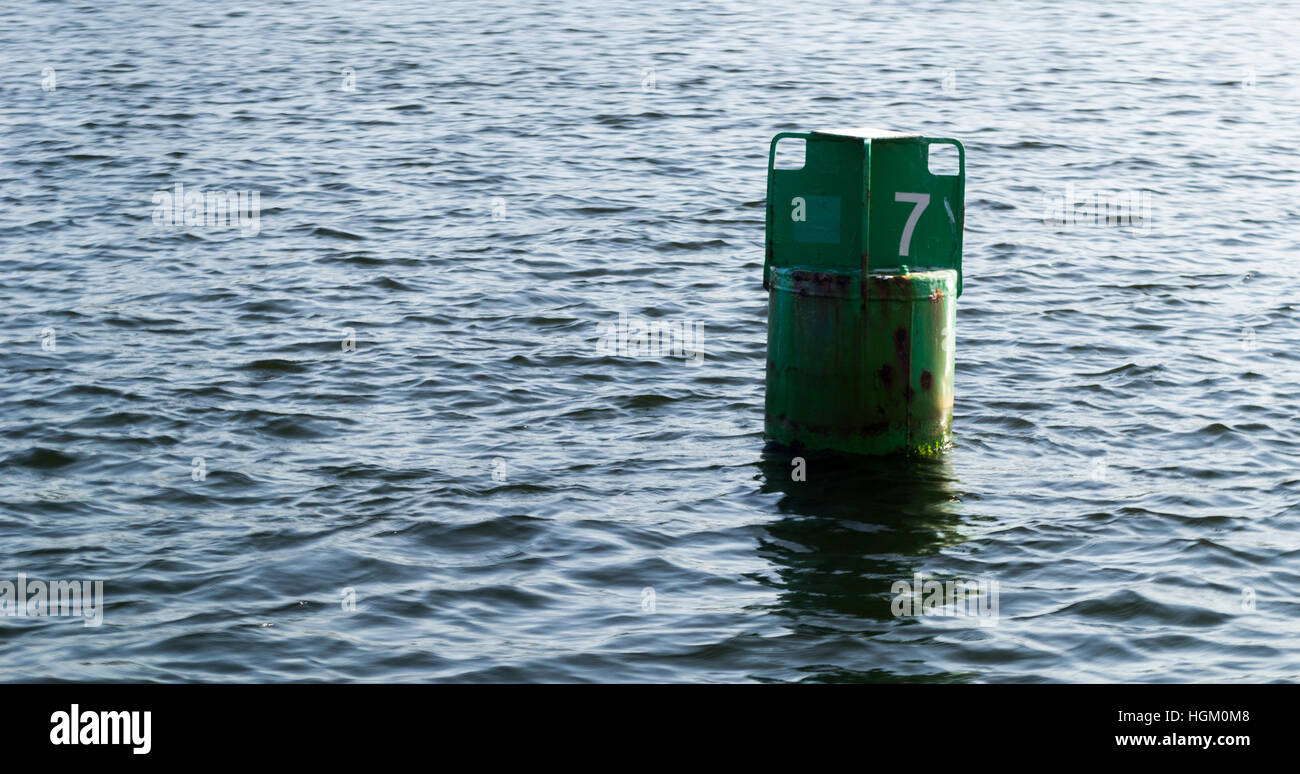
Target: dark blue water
x=185, y=419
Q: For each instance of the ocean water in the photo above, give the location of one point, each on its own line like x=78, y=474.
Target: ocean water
x=373, y=436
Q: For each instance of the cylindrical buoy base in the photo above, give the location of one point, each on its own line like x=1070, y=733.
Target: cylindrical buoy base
x=861, y=363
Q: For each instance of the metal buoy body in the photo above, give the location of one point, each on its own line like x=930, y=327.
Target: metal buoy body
x=863, y=367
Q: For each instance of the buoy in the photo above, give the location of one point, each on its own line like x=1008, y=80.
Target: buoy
x=863, y=269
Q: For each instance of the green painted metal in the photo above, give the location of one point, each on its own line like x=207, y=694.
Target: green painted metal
x=860, y=346
x=850, y=205
x=861, y=366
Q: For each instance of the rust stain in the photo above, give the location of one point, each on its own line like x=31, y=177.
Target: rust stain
x=820, y=283
x=887, y=285
x=903, y=351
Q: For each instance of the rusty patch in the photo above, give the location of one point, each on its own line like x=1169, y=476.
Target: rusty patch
x=889, y=286
x=820, y=283
x=903, y=351
x=886, y=375
x=927, y=379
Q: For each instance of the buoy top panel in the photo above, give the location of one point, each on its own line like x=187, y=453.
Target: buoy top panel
x=866, y=134
x=864, y=199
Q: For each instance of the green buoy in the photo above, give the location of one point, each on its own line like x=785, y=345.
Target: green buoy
x=863, y=269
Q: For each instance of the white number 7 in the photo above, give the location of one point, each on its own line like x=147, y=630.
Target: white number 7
x=921, y=200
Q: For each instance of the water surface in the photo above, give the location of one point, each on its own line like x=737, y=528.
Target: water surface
x=504, y=178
